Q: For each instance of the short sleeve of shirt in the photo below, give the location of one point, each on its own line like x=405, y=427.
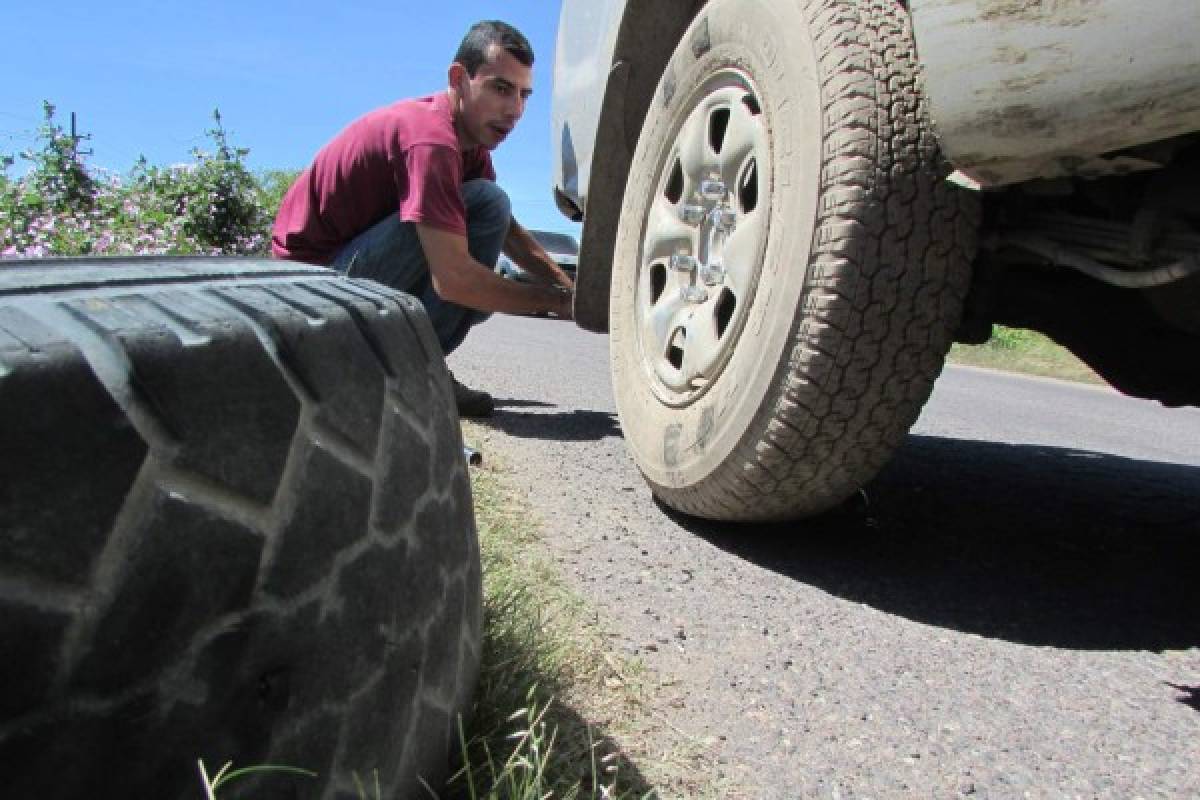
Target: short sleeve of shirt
x=434, y=176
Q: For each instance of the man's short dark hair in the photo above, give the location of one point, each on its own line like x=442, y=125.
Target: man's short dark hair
x=485, y=33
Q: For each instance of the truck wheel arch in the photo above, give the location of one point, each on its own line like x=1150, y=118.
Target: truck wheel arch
x=648, y=33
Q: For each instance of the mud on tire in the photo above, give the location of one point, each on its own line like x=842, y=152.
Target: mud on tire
x=787, y=186
x=235, y=524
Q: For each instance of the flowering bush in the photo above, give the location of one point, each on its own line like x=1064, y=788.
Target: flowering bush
x=65, y=207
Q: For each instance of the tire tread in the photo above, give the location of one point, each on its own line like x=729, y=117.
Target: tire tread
x=213, y=563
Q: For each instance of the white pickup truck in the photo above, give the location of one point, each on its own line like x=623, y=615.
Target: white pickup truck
x=791, y=208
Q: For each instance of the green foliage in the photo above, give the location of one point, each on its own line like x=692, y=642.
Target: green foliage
x=60, y=180
x=219, y=198
x=6, y=161
x=1022, y=350
x=1011, y=338
x=64, y=207
x=273, y=184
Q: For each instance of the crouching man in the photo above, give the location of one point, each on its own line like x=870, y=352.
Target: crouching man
x=406, y=195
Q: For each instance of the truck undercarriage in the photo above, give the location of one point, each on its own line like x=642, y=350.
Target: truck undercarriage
x=1109, y=268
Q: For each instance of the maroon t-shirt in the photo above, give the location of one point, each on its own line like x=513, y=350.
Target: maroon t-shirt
x=401, y=158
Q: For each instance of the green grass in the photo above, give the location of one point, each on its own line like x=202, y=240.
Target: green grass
x=227, y=775
x=526, y=740
x=1028, y=352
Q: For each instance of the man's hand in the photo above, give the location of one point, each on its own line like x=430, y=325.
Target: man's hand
x=458, y=278
x=566, y=309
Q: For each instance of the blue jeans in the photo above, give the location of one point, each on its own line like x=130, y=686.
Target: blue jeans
x=390, y=252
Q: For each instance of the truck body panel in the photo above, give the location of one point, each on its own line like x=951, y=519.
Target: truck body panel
x=1022, y=89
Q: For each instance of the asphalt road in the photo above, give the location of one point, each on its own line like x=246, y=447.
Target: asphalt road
x=1009, y=610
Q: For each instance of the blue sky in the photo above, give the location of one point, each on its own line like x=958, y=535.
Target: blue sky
x=143, y=77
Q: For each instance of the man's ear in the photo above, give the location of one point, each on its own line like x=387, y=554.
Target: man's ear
x=456, y=74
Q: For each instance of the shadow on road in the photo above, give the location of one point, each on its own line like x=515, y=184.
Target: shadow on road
x=562, y=426
x=514, y=402
x=1031, y=544
x=1188, y=695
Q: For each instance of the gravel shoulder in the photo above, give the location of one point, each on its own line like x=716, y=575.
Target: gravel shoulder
x=996, y=615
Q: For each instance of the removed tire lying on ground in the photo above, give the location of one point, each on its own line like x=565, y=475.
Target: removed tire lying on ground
x=235, y=525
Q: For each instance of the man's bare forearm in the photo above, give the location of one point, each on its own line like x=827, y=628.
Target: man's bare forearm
x=480, y=288
x=529, y=255
x=458, y=278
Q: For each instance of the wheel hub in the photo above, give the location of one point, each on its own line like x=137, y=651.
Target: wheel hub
x=704, y=239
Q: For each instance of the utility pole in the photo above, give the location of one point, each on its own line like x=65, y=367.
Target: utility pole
x=76, y=139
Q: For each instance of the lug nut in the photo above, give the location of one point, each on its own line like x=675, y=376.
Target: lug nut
x=683, y=263
x=724, y=218
x=712, y=190
x=692, y=215
x=694, y=294
x=713, y=274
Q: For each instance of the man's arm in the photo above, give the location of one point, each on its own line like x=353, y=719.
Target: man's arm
x=459, y=278
x=529, y=255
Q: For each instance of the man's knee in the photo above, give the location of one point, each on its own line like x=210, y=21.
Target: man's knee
x=486, y=202
x=386, y=252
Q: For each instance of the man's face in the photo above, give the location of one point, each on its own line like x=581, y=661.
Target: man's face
x=493, y=100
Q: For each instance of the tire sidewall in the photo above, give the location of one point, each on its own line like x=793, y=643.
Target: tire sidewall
x=680, y=446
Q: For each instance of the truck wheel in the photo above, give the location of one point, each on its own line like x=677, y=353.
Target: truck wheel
x=235, y=525
x=789, y=265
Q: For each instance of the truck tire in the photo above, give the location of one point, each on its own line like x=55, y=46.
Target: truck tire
x=790, y=264
x=235, y=525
